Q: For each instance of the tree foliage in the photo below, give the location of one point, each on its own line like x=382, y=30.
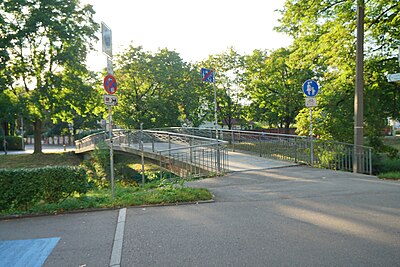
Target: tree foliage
x=46, y=42
x=157, y=89
x=324, y=33
x=229, y=68
x=273, y=84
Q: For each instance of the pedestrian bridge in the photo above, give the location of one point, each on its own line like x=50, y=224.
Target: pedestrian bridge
x=194, y=152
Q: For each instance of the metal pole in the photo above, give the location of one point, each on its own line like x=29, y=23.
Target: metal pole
x=370, y=160
x=22, y=133
x=359, y=90
x=216, y=123
x=142, y=152
x=215, y=111
x=111, y=152
x=311, y=140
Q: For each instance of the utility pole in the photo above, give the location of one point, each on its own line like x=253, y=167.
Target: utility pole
x=359, y=90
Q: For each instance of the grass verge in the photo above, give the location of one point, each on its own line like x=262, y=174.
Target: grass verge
x=39, y=160
x=390, y=175
x=124, y=197
x=127, y=192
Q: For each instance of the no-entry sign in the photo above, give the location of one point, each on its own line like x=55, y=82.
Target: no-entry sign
x=110, y=84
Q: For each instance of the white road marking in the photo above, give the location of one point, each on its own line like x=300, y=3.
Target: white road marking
x=116, y=253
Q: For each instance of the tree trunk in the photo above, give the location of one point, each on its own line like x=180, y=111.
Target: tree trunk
x=287, y=126
x=5, y=129
x=37, y=136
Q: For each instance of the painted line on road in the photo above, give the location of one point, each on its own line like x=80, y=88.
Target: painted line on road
x=116, y=253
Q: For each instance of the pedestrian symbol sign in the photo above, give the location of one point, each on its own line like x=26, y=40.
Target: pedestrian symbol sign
x=310, y=88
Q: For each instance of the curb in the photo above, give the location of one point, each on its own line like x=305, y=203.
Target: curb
x=34, y=215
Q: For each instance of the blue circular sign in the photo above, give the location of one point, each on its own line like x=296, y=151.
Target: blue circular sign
x=310, y=88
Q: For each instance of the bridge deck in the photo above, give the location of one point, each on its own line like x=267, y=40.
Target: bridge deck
x=237, y=161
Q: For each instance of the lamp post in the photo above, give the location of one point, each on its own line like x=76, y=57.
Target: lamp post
x=359, y=91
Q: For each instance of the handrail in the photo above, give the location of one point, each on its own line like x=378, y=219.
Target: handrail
x=325, y=154
x=199, y=156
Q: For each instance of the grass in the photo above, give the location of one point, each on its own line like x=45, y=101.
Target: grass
x=390, y=175
x=393, y=141
x=155, y=192
x=124, y=197
x=39, y=160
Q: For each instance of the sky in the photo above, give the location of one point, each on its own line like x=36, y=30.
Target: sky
x=194, y=29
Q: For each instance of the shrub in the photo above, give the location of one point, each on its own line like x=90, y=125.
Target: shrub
x=380, y=147
x=21, y=187
x=382, y=164
x=98, y=166
x=390, y=175
x=13, y=143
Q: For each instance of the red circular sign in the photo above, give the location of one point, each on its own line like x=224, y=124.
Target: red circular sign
x=110, y=84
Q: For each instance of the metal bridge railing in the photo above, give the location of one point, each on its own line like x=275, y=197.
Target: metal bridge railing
x=326, y=154
x=182, y=154
x=195, y=161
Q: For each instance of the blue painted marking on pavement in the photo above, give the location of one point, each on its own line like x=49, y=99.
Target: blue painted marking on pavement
x=26, y=253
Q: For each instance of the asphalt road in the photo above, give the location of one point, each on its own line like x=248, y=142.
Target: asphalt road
x=281, y=216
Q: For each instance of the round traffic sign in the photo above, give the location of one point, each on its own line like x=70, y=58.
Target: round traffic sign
x=110, y=84
x=310, y=88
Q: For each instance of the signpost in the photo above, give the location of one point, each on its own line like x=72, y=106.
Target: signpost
x=111, y=100
x=110, y=85
x=311, y=102
x=208, y=75
x=310, y=89
x=393, y=77
x=106, y=40
x=110, y=66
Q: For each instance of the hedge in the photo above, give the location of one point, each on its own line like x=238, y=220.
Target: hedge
x=19, y=188
x=13, y=143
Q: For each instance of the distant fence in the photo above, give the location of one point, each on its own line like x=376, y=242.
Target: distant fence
x=54, y=140
x=325, y=154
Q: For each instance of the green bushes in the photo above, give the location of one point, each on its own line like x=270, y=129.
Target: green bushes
x=382, y=163
x=13, y=143
x=390, y=175
x=20, y=188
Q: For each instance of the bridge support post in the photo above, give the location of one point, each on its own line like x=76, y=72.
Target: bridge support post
x=233, y=141
x=169, y=145
x=141, y=150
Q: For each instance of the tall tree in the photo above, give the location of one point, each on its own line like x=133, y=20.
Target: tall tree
x=229, y=69
x=273, y=84
x=47, y=44
x=325, y=41
x=157, y=89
